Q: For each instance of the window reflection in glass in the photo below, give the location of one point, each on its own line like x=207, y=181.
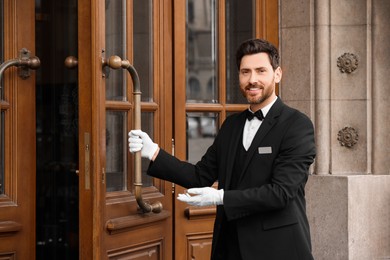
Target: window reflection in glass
x=239, y=27
x=201, y=51
x=201, y=131
x=143, y=46
x=117, y=147
x=116, y=150
x=116, y=45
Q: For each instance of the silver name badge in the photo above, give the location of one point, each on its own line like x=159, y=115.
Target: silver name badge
x=265, y=150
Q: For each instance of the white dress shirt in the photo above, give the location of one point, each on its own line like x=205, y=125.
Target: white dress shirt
x=251, y=127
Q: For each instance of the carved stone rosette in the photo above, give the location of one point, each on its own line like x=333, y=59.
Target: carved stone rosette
x=347, y=63
x=348, y=136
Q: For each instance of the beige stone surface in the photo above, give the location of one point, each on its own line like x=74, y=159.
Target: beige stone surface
x=297, y=75
x=381, y=90
x=349, y=216
x=348, y=12
x=327, y=209
x=351, y=160
x=348, y=39
x=302, y=9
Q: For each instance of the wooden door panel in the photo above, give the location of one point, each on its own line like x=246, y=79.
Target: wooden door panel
x=17, y=199
x=205, y=86
x=91, y=118
x=133, y=232
x=199, y=245
x=115, y=226
x=86, y=191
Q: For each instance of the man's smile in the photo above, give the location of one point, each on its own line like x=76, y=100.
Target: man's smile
x=253, y=90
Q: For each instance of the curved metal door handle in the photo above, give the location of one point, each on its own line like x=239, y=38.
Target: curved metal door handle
x=116, y=62
x=24, y=61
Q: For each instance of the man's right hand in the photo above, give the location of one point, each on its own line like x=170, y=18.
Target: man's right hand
x=140, y=141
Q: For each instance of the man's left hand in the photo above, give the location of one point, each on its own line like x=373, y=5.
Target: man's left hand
x=206, y=196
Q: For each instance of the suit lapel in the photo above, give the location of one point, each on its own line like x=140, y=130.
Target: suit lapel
x=233, y=147
x=270, y=120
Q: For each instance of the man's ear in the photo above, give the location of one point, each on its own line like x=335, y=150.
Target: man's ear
x=278, y=75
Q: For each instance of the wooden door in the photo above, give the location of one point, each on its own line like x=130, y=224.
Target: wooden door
x=152, y=36
x=112, y=35
x=207, y=34
x=17, y=132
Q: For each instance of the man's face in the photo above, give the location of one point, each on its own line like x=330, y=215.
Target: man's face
x=257, y=79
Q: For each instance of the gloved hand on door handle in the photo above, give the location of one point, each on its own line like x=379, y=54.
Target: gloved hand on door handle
x=206, y=196
x=140, y=141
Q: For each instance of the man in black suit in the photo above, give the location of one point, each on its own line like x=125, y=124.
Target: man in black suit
x=260, y=158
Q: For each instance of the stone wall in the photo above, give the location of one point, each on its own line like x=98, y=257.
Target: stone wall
x=335, y=58
x=349, y=216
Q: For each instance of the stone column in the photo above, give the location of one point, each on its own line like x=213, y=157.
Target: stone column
x=380, y=86
x=322, y=85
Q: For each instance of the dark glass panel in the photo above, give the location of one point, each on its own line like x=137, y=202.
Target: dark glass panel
x=239, y=27
x=116, y=45
x=143, y=46
x=116, y=151
x=57, y=183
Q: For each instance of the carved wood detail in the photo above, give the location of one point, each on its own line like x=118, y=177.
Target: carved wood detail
x=151, y=250
x=122, y=224
x=199, y=246
x=9, y=227
x=8, y=256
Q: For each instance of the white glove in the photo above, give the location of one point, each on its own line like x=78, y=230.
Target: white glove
x=207, y=196
x=140, y=141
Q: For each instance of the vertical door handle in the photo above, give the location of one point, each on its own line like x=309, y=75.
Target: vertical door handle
x=116, y=62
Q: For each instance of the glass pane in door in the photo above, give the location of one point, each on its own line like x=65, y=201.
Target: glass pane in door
x=57, y=198
x=202, y=127
x=116, y=45
x=116, y=147
x=147, y=126
x=201, y=51
x=117, y=29
x=239, y=27
x=143, y=46
x=116, y=121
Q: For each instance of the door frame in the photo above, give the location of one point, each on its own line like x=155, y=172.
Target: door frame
x=91, y=128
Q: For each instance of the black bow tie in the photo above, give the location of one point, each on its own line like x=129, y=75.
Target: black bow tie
x=258, y=114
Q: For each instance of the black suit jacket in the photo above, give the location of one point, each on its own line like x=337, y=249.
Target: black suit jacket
x=268, y=206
